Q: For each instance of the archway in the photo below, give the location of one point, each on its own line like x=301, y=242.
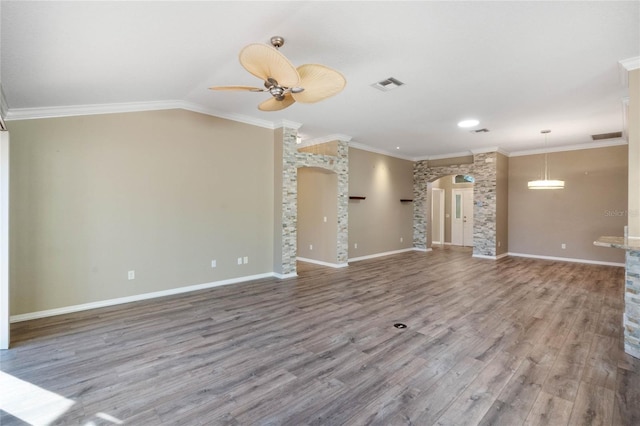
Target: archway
x=483, y=169
x=451, y=210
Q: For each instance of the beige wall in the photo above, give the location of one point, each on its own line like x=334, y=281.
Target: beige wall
x=377, y=223
x=502, y=204
x=317, y=201
x=162, y=193
x=593, y=203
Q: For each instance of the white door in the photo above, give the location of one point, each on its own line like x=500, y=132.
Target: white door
x=462, y=217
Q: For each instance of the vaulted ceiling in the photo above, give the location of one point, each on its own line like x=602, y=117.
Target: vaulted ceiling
x=518, y=66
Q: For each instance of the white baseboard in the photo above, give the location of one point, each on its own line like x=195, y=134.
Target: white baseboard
x=567, y=259
x=387, y=253
x=482, y=256
x=438, y=243
x=134, y=298
x=320, y=262
x=284, y=276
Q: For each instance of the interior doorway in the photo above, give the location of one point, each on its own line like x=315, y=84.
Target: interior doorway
x=462, y=217
x=451, y=210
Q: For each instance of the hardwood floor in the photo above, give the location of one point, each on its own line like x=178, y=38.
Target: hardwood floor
x=512, y=342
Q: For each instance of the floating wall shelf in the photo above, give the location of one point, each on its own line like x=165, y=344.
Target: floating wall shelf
x=351, y=197
x=406, y=200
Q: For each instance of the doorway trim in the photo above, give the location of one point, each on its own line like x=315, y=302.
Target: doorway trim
x=4, y=241
x=441, y=222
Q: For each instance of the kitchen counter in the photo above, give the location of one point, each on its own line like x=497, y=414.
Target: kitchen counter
x=618, y=242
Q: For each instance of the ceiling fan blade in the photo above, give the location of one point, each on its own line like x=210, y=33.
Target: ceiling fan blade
x=266, y=62
x=248, y=88
x=319, y=83
x=275, y=105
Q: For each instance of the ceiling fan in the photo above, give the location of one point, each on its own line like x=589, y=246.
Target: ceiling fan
x=287, y=84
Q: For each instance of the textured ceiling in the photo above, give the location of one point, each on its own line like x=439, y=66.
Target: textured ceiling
x=519, y=67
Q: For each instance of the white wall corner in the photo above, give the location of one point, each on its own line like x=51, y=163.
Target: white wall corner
x=626, y=65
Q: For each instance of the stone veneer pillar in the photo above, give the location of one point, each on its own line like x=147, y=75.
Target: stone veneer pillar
x=484, y=171
x=292, y=159
x=632, y=304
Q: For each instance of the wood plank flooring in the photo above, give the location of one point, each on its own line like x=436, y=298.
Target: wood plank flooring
x=508, y=342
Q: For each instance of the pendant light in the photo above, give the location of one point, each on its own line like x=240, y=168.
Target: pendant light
x=546, y=183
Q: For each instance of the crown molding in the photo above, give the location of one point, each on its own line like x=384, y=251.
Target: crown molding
x=190, y=106
x=379, y=151
x=74, y=110
x=325, y=139
x=11, y=114
x=289, y=124
x=590, y=145
x=442, y=156
x=78, y=110
x=490, y=149
x=626, y=65
x=630, y=64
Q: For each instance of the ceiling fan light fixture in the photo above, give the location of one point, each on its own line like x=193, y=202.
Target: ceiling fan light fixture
x=285, y=83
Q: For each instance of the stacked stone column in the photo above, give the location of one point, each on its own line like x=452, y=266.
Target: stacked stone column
x=291, y=161
x=632, y=304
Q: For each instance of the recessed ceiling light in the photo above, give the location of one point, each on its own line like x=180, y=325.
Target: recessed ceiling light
x=397, y=147
x=468, y=123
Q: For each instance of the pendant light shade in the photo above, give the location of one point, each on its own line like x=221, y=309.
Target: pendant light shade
x=546, y=183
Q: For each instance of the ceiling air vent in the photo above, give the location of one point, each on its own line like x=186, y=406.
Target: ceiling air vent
x=388, y=84
x=602, y=136
x=480, y=131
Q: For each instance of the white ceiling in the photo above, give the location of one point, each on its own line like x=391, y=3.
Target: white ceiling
x=517, y=66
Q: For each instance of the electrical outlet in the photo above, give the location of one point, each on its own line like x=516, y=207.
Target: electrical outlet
x=245, y=260
x=401, y=239
x=498, y=243
x=355, y=245
x=563, y=245
x=131, y=275
x=239, y=261
x=213, y=263
x=310, y=246
x=325, y=218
